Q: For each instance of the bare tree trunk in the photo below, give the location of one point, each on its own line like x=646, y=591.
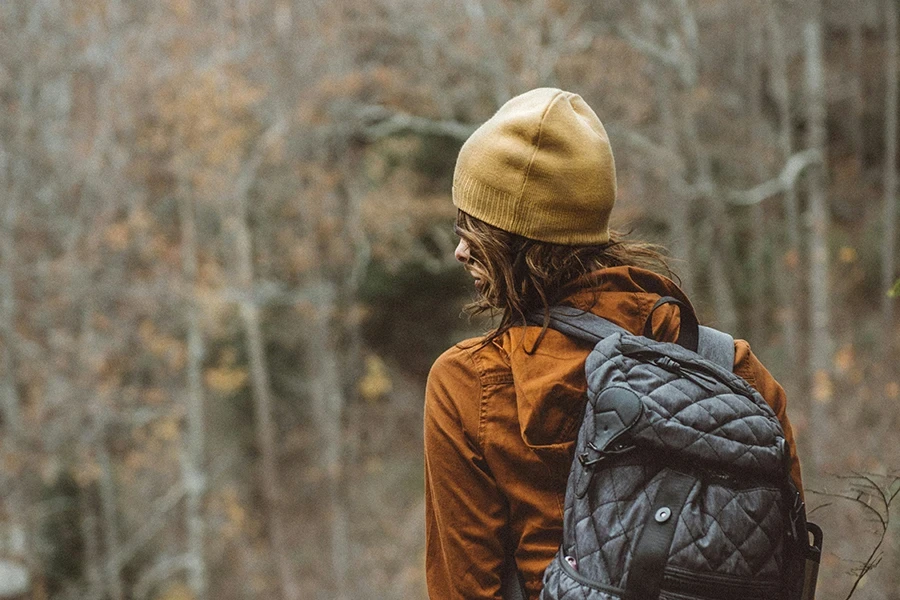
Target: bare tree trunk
x=265, y=438
x=11, y=413
x=13, y=178
x=680, y=203
x=237, y=223
x=328, y=398
x=328, y=390
x=345, y=364
x=723, y=295
x=714, y=232
x=113, y=576
x=787, y=261
x=91, y=561
x=14, y=443
x=889, y=242
x=262, y=397
x=859, y=98
x=194, y=472
x=490, y=49
x=821, y=343
x=709, y=241
x=757, y=276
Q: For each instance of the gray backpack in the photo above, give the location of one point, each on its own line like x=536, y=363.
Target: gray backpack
x=680, y=488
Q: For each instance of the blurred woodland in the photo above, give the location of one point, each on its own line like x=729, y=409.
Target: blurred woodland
x=226, y=264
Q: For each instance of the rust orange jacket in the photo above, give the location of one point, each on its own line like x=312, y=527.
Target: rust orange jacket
x=500, y=425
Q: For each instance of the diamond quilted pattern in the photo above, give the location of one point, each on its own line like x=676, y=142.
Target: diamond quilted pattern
x=710, y=422
x=607, y=524
x=558, y=584
x=724, y=426
x=722, y=530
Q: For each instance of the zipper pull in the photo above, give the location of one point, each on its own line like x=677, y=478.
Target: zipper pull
x=701, y=379
x=669, y=365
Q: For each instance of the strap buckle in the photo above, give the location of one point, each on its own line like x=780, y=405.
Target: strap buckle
x=617, y=450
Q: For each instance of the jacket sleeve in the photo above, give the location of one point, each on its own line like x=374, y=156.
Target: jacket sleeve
x=752, y=370
x=465, y=513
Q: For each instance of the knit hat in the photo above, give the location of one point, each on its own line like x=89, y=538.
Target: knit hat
x=541, y=168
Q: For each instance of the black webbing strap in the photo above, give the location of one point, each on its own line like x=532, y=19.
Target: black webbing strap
x=688, y=331
x=577, y=323
x=652, y=549
x=714, y=345
x=512, y=584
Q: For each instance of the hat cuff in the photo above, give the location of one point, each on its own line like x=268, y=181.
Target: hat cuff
x=494, y=207
x=498, y=208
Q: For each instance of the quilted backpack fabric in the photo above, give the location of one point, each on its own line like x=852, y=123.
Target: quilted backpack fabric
x=679, y=489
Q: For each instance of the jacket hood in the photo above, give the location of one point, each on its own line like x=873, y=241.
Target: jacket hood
x=550, y=381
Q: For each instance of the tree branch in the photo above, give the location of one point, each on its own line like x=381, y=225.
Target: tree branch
x=650, y=48
x=794, y=166
x=671, y=56
x=658, y=152
x=861, y=490
x=379, y=122
x=156, y=520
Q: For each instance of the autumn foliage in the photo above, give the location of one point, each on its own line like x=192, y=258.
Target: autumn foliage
x=226, y=262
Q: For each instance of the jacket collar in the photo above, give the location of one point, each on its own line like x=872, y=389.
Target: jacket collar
x=550, y=381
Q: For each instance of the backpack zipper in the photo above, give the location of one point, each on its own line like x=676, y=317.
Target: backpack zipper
x=701, y=375
x=695, y=375
x=570, y=571
x=709, y=586
x=714, y=586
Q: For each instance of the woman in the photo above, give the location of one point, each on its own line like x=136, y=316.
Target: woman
x=534, y=187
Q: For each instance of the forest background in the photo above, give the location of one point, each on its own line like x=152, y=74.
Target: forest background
x=226, y=264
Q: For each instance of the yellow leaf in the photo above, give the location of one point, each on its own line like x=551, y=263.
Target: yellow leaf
x=176, y=591
x=235, y=514
x=166, y=429
x=117, y=236
x=843, y=360
x=146, y=330
x=792, y=259
x=86, y=472
x=375, y=383
x=822, y=387
x=892, y=390
x=226, y=379
x=847, y=255
x=894, y=292
x=154, y=396
x=136, y=460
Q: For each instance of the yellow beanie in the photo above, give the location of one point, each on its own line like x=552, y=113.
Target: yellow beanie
x=541, y=168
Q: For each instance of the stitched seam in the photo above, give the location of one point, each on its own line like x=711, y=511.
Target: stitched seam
x=645, y=306
x=479, y=438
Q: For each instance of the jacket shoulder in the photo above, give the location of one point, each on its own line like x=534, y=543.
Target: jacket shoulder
x=473, y=359
x=748, y=366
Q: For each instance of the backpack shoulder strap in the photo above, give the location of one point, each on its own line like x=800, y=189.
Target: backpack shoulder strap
x=579, y=324
x=713, y=345
x=717, y=347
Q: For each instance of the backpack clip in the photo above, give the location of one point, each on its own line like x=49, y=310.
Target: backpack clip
x=588, y=463
x=619, y=449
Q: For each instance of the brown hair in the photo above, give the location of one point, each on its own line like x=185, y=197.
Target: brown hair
x=523, y=276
